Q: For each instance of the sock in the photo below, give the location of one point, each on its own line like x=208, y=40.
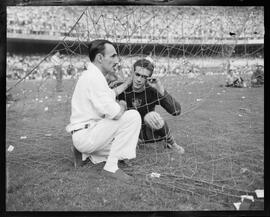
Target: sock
x=169, y=138
x=84, y=156
x=111, y=164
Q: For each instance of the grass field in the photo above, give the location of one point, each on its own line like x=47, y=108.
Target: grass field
x=221, y=129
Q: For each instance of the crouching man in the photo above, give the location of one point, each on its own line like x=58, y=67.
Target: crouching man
x=101, y=128
x=143, y=94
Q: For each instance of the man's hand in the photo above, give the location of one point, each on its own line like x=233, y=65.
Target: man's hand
x=114, y=84
x=129, y=80
x=156, y=83
x=121, y=88
x=123, y=106
x=123, y=103
x=154, y=120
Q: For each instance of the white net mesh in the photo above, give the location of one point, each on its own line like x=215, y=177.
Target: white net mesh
x=191, y=48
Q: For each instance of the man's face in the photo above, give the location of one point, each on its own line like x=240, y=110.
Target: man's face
x=110, y=59
x=140, y=76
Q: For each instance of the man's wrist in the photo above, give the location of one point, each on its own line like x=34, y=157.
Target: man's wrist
x=162, y=91
x=126, y=84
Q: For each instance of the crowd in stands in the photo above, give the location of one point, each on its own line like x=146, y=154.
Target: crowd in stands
x=125, y=23
x=37, y=67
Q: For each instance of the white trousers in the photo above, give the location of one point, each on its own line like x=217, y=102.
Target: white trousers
x=117, y=138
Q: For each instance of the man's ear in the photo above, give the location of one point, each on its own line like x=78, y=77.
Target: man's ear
x=99, y=57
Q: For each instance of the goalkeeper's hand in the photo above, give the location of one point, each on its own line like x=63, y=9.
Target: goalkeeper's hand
x=156, y=83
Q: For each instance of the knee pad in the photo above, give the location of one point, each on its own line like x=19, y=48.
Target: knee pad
x=154, y=120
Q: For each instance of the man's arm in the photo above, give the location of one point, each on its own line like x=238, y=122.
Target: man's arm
x=170, y=104
x=123, y=106
x=121, y=87
x=165, y=99
x=102, y=97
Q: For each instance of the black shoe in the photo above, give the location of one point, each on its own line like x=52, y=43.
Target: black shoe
x=77, y=157
x=119, y=175
x=177, y=148
x=126, y=163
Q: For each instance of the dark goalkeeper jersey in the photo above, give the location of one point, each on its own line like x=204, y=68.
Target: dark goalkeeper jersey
x=147, y=100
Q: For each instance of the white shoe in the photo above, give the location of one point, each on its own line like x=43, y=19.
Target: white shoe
x=177, y=148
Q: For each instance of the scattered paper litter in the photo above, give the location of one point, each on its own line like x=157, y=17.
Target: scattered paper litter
x=48, y=134
x=237, y=205
x=23, y=137
x=46, y=97
x=243, y=109
x=243, y=170
x=249, y=197
x=218, y=93
x=155, y=175
x=46, y=109
x=198, y=100
x=10, y=148
x=36, y=99
x=240, y=115
x=243, y=97
x=59, y=96
x=259, y=193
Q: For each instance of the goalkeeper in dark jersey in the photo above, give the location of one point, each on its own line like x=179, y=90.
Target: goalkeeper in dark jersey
x=143, y=94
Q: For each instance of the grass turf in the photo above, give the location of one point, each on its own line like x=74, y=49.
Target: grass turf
x=221, y=129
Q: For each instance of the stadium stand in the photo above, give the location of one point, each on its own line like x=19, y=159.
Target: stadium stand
x=185, y=22
x=188, y=23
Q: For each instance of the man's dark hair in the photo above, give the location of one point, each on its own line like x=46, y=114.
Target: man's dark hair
x=97, y=46
x=144, y=63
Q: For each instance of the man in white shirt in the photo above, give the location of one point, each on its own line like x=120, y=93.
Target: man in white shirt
x=101, y=127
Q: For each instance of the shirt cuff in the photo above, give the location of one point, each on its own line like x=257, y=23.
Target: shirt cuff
x=114, y=110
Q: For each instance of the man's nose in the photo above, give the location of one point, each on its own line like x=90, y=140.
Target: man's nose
x=139, y=78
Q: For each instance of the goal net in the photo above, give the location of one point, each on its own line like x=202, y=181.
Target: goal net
x=192, y=49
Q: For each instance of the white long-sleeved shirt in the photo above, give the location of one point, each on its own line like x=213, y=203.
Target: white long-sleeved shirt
x=92, y=99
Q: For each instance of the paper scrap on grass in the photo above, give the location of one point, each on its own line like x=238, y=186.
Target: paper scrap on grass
x=249, y=197
x=243, y=97
x=23, y=137
x=240, y=115
x=237, y=205
x=155, y=175
x=244, y=109
x=198, y=100
x=243, y=170
x=259, y=193
x=10, y=148
x=46, y=109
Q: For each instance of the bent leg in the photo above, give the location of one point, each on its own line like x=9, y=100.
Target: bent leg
x=152, y=133
x=156, y=129
x=117, y=138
